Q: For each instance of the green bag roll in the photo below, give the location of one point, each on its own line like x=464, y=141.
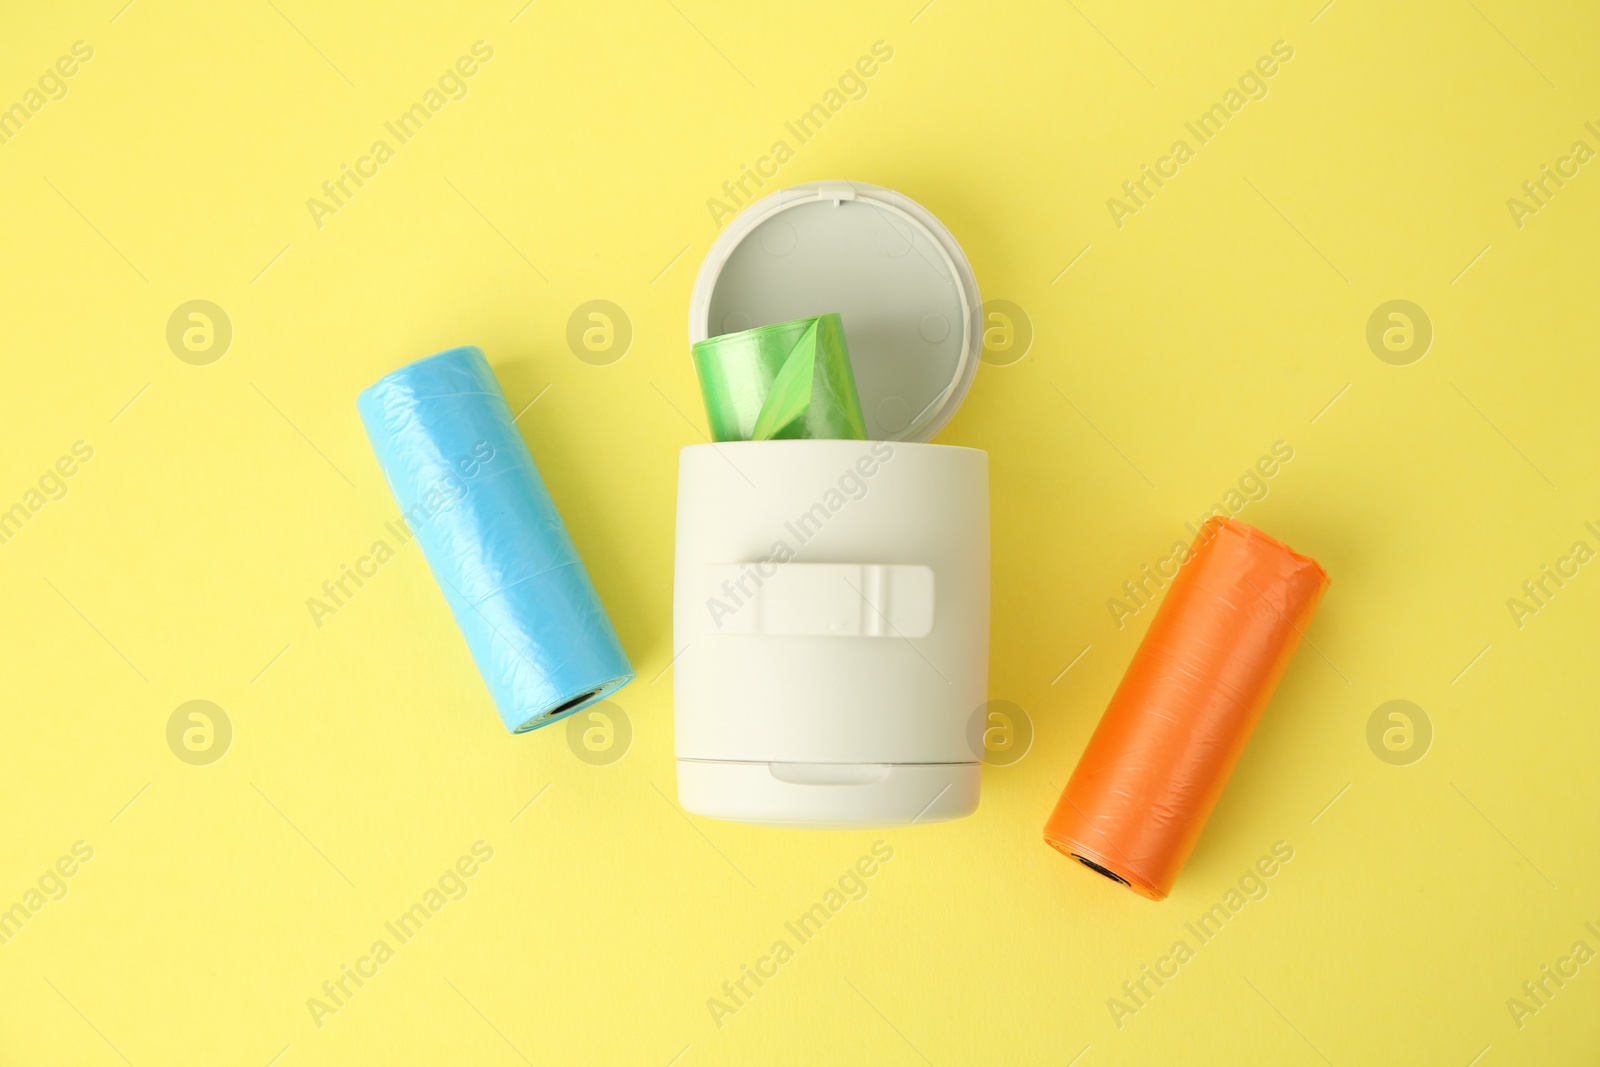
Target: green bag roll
x=787, y=380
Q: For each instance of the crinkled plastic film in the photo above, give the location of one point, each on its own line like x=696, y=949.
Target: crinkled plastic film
x=470, y=492
x=778, y=382
x=1221, y=639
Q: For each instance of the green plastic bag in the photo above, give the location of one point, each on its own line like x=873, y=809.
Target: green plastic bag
x=779, y=382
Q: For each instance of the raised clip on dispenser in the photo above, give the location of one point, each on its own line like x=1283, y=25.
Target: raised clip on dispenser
x=831, y=599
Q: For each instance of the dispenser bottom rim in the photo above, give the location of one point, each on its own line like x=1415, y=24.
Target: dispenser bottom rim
x=828, y=795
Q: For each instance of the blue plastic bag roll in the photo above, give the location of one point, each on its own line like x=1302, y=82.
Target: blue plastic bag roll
x=471, y=494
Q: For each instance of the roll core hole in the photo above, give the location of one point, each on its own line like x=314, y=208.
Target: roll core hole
x=1093, y=866
x=557, y=710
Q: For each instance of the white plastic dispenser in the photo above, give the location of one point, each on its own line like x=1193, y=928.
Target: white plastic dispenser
x=831, y=598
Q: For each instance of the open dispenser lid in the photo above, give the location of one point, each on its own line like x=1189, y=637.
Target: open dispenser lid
x=898, y=278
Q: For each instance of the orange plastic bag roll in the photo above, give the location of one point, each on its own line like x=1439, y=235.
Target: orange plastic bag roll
x=1179, y=721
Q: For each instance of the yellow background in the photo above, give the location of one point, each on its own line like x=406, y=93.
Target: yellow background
x=1222, y=317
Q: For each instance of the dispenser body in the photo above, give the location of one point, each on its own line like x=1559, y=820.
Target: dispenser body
x=830, y=627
